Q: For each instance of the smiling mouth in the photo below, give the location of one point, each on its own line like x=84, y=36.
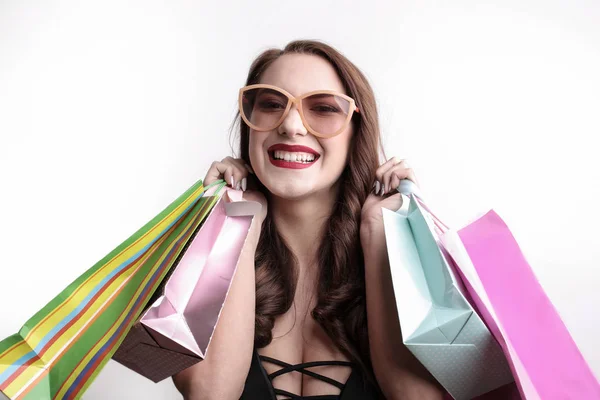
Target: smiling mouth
x=292, y=160
x=293, y=157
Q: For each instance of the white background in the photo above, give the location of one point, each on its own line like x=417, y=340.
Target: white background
x=109, y=110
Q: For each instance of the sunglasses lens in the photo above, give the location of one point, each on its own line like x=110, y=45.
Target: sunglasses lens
x=263, y=107
x=326, y=113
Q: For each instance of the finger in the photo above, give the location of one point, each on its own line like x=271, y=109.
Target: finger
x=382, y=170
x=394, y=182
x=221, y=170
x=386, y=179
x=232, y=171
x=397, y=174
x=215, y=172
x=240, y=173
x=228, y=176
x=384, y=174
x=410, y=174
x=393, y=177
x=391, y=162
x=376, y=187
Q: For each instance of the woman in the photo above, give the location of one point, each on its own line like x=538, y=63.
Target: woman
x=313, y=282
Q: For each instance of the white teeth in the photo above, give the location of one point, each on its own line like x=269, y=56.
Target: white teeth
x=294, y=157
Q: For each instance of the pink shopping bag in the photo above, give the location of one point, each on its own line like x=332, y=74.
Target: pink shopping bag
x=544, y=358
x=175, y=331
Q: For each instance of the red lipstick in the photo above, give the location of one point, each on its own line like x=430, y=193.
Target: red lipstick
x=292, y=149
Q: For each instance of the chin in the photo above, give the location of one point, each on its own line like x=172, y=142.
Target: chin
x=290, y=189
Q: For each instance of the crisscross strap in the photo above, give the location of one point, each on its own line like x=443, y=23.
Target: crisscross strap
x=302, y=368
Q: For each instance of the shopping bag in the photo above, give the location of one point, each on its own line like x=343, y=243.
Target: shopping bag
x=439, y=326
x=543, y=356
x=60, y=350
x=175, y=332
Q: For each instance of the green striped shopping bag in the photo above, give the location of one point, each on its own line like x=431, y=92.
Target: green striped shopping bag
x=60, y=350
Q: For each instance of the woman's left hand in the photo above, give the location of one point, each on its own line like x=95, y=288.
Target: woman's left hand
x=388, y=178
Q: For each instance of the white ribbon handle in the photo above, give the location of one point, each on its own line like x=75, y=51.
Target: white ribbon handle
x=408, y=188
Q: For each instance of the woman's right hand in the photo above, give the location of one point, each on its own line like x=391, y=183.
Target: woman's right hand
x=235, y=172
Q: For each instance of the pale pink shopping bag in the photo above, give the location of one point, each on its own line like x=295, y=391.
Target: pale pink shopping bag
x=544, y=358
x=175, y=331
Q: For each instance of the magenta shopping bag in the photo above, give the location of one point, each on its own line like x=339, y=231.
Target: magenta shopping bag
x=544, y=358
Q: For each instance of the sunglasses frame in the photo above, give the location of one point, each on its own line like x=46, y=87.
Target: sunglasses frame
x=298, y=102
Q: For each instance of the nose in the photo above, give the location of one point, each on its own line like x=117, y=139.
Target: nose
x=292, y=124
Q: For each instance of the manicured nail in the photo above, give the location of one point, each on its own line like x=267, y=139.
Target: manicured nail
x=237, y=186
x=244, y=182
x=232, y=182
x=377, y=187
x=382, y=189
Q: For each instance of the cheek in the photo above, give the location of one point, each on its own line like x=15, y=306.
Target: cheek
x=258, y=157
x=337, y=149
x=254, y=147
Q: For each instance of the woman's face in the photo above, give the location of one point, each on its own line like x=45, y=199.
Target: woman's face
x=299, y=74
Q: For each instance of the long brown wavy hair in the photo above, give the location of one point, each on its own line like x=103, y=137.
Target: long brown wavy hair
x=341, y=306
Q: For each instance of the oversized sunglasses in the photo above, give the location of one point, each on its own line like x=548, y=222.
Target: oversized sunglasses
x=324, y=113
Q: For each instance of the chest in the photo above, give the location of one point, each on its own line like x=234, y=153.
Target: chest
x=299, y=339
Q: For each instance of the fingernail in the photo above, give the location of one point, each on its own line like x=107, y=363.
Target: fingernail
x=237, y=187
x=244, y=184
x=232, y=182
x=382, y=189
x=377, y=187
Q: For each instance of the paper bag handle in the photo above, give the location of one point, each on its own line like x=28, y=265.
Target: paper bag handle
x=410, y=189
x=236, y=206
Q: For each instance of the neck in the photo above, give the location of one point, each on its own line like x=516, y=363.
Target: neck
x=301, y=222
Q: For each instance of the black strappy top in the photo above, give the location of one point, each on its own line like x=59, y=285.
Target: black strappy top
x=259, y=384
